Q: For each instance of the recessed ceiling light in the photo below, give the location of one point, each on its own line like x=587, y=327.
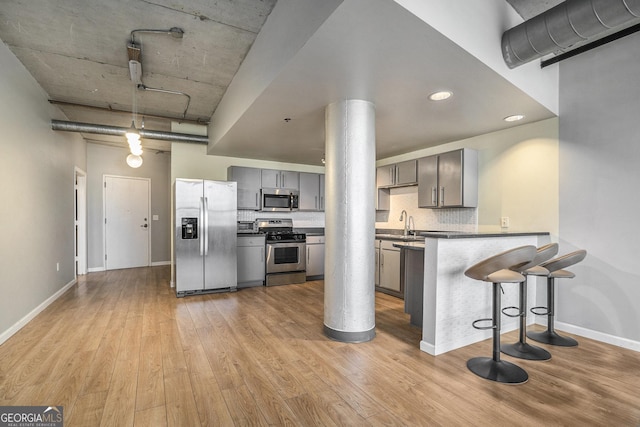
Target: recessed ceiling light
x=440, y=96
x=514, y=118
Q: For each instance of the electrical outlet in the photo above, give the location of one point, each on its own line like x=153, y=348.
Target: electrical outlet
x=504, y=222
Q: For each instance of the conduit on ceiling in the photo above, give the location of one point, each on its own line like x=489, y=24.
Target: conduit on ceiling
x=563, y=26
x=120, y=131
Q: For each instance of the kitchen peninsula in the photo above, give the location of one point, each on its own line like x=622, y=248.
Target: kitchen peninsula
x=450, y=300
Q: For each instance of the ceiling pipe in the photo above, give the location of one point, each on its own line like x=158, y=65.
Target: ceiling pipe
x=120, y=131
x=563, y=26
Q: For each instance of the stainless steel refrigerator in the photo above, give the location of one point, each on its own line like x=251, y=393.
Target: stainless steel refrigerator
x=205, y=236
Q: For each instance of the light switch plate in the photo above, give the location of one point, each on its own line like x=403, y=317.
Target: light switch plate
x=155, y=217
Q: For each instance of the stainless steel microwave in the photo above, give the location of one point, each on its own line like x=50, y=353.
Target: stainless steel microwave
x=278, y=199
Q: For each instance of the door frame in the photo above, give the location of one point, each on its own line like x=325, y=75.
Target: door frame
x=104, y=215
x=80, y=221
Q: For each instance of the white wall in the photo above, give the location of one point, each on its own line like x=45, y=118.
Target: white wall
x=106, y=160
x=518, y=178
x=599, y=194
x=37, y=193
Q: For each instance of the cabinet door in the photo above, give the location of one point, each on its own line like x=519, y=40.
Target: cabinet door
x=270, y=178
x=390, y=269
x=315, y=260
x=450, y=178
x=385, y=175
x=406, y=173
x=250, y=264
x=428, y=182
x=321, y=207
x=249, y=182
x=289, y=179
x=309, y=192
x=377, y=267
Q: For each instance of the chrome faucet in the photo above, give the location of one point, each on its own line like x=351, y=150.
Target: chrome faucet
x=404, y=217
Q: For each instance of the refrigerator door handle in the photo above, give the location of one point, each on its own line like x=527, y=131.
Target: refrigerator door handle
x=206, y=226
x=200, y=227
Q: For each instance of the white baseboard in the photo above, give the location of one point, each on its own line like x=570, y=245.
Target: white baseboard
x=595, y=335
x=95, y=269
x=31, y=315
x=154, y=264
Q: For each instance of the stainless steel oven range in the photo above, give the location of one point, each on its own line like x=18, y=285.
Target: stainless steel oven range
x=286, y=252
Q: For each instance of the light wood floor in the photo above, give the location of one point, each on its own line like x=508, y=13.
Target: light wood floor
x=119, y=349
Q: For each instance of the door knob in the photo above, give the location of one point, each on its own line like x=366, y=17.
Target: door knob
x=144, y=226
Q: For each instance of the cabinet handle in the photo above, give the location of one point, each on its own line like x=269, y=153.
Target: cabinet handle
x=381, y=259
x=441, y=196
x=434, y=196
x=316, y=202
x=257, y=205
x=321, y=203
x=307, y=255
x=283, y=183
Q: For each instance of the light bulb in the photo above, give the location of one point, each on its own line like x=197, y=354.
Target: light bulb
x=134, y=161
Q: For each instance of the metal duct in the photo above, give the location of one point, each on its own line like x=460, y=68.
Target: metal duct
x=563, y=26
x=120, y=131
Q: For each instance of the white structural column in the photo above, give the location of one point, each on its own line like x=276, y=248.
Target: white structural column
x=349, y=290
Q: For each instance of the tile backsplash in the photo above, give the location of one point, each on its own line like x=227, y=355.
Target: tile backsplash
x=406, y=198
x=453, y=219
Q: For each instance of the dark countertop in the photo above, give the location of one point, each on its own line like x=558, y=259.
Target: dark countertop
x=310, y=231
x=479, y=234
x=415, y=246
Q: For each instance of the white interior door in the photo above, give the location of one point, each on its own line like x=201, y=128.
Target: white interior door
x=127, y=233
x=81, y=221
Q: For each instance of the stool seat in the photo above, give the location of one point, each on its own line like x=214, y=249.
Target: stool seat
x=561, y=274
x=497, y=270
x=557, y=270
x=505, y=276
x=521, y=348
x=536, y=271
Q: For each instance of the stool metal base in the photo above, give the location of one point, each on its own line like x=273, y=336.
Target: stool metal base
x=551, y=337
x=497, y=370
x=522, y=350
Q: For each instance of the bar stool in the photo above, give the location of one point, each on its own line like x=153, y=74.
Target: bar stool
x=556, y=271
x=496, y=270
x=521, y=348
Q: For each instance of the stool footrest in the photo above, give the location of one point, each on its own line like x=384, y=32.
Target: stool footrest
x=537, y=312
x=518, y=313
x=488, y=319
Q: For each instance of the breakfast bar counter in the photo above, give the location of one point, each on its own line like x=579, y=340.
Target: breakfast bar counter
x=451, y=301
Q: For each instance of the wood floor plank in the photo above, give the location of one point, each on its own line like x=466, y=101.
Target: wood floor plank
x=150, y=390
x=118, y=348
x=151, y=417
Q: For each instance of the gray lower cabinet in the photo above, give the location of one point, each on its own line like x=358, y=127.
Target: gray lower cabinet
x=377, y=263
x=390, y=269
x=251, y=261
x=315, y=257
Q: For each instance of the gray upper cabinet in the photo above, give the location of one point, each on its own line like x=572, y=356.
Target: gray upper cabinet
x=280, y=179
x=311, y=192
x=249, y=183
x=448, y=180
x=399, y=174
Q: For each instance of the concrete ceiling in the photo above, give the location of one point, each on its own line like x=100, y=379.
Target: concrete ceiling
x=76, y=50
